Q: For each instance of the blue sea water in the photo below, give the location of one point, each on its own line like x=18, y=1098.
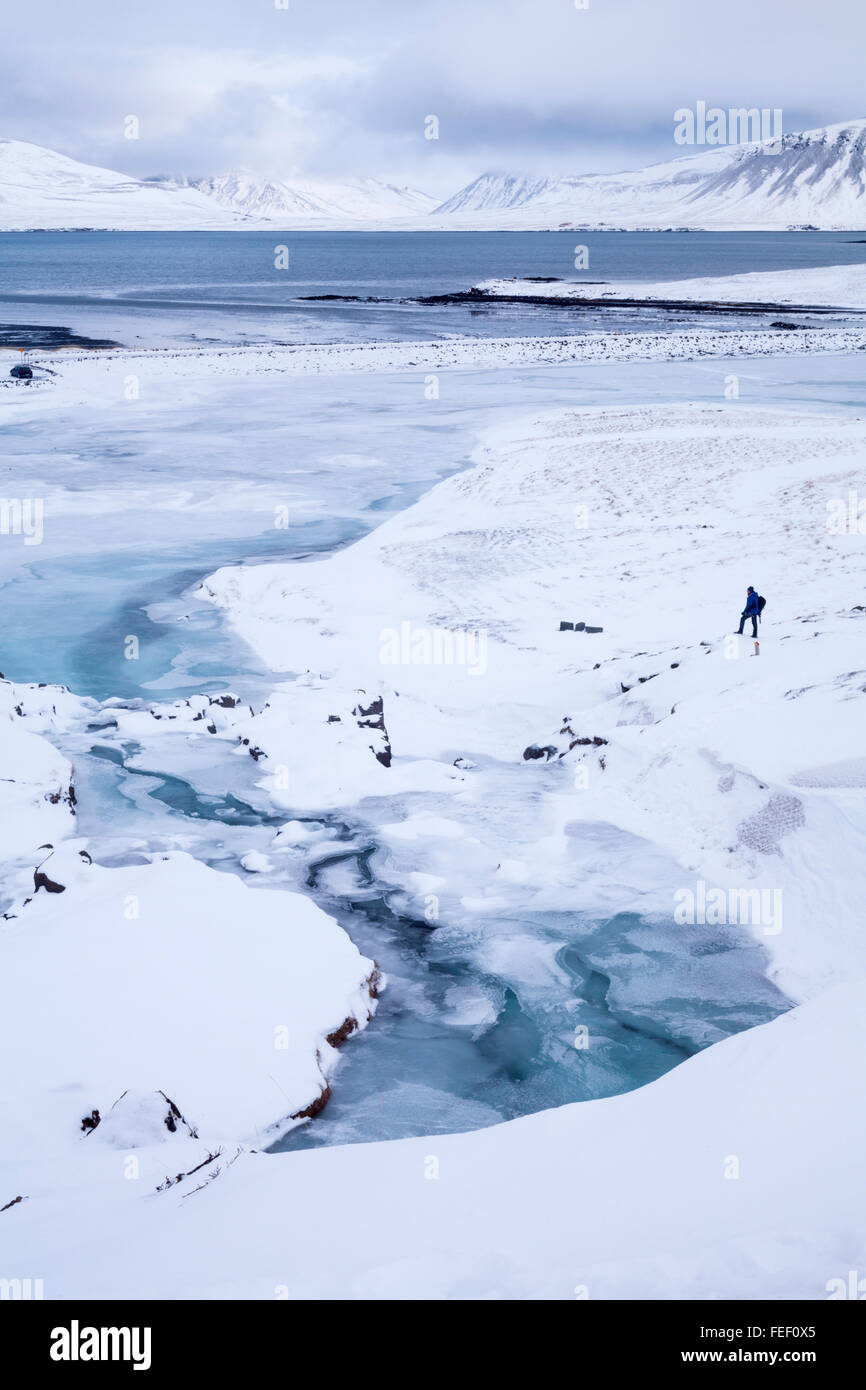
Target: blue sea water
x=146, y=287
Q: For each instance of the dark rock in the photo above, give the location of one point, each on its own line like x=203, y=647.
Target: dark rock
x=534, y=752
x=42, y=880
x=90, y=1121
x=593, y=629
x=582, y=627
x=566, y=627
x=339, y=1035
x=371, y=717
x=173, y=1116
x=315, y=1107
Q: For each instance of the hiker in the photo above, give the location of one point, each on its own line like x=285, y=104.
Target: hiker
x=751, y=610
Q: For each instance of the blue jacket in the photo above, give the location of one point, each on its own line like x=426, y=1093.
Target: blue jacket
x=751, y=606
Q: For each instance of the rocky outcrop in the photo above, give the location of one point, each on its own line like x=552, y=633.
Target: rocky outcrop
x=372, y=716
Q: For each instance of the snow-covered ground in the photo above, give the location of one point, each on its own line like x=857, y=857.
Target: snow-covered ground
x=132, y=991
x=747, y=770
x=454, y=623
x=736, y=1176
x=828, y=286
x=79, y=378
x=523, y=679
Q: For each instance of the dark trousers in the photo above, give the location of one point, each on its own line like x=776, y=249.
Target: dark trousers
x=754, y=618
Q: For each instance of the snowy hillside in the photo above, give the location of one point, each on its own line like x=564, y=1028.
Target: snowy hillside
x=278, y=199
x=40, y=188
x=818, y=178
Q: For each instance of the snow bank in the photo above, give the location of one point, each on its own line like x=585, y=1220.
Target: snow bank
x=692, y=1187
x=37, y=795
x=839, y=286
x=169, y=977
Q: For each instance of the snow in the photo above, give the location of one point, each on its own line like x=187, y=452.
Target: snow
x=692, y=1187
x=114, y=978
x=692, y=759
x=97, y=379
x=276, y=200
x=740, y=773
x=35, y=800
x=119, y=981
x=828, y=286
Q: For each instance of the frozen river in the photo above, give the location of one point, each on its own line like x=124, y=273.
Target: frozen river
x=144, y=499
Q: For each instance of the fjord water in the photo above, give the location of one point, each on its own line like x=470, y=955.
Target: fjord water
x=152, y=500
x=143, y=288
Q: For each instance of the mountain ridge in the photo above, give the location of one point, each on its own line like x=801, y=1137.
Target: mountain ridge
x=808, y=180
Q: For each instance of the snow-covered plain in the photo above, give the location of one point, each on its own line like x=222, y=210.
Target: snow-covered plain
x=87, y=378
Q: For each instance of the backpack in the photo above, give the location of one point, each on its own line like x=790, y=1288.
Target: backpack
x=762, y=603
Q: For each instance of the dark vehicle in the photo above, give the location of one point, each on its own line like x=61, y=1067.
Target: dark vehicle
x=22, y=373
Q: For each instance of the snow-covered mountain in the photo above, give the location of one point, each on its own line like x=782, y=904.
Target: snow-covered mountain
x=817, y=178
x=277, y=199
x=41, y=188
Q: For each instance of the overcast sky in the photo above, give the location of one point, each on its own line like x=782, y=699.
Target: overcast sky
x=342, y=87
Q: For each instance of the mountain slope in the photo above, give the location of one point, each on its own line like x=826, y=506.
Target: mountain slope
x=818, y=178
x=41, y=188
x=277, y=199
